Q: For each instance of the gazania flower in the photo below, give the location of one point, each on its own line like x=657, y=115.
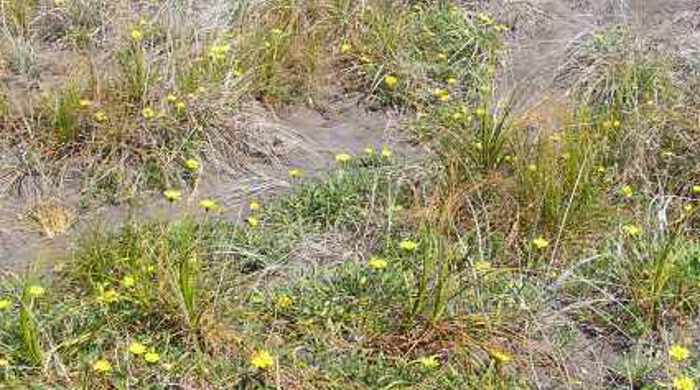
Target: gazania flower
x=136, y=35
x=148, y=113
x=679, y=353
x=408, y=245
x=391, y=81
x=137, y=348
x=102, y=366
x=343, y=158
x=377, y=263
x=261, y=360
x=208, y=205
x=540, y=243
x=151, y=357
x=172, y=195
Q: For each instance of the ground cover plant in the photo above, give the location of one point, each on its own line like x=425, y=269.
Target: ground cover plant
x=502, y=244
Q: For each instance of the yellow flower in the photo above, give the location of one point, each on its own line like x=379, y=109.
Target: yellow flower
x=5, y=304
x=108, y=297
x=482, y=266
x=607, y=124
x=500, y=357
x=696, y=190
x=253, y=222
x=678, y=353
x=369, y=151
x=84, y=103
x=627, y=191
x=429, y=362
x=284, y=301
x=480, y=112
x=136, y=35
x=532, y=168
x=261, y=360
x=343, y=158
x=408, y=245
x=451, y=81
x=180, y=106
x=632, y=230
x=391, y=81
x=151, y=357
x=254, y=206
x=616, y=124
x=129, y=281
x=148, y=113
x=4, y=363
x=137, y=348
x=208, y=205
x=386, y=152
x=377, y=263
x=102, y=366
x=295, y=173
x=345, y=48
x=688, y=208
x=442, y=95
x=100, y=117
x=172, y=195
x=540, y=243
x=35, y=291
x=683, y=383
x=171, y=98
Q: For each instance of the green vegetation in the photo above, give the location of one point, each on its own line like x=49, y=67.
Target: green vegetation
x=521, y=235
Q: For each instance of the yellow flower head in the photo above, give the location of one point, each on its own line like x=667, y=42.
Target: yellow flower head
x=683, y=383
x=442, y=95
x=377, y=263
x=84, y=103
x=345, y=48
x=500, y=357
x=391, y=81
x=284, y=301
x=102, y=366
x=696, y=190
x=451, y=81
x=5, y=304
x=100, y=117
x=129, y=281
x=386, y=152
x=679, y=353
x=632, y=230
x=136, y=35
x=688, y=208
x=35, y=291
x=172, y=195
x=261, y=360
x=540, y=243
x=627, y=191
x=254, y=206
x=429, y=362
x=208, y=205
x=442, y=56
x=296, y=173
x=253, y=222
x=151, y=357
x=369, y=151
x=171, y=98
x=148, y=113
x=108, y=297
x=4, y=363
x=482, y=265
x=480, y=112
x=343, y=158
x=180, y=106
x=408, y=245
x=137, y=348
